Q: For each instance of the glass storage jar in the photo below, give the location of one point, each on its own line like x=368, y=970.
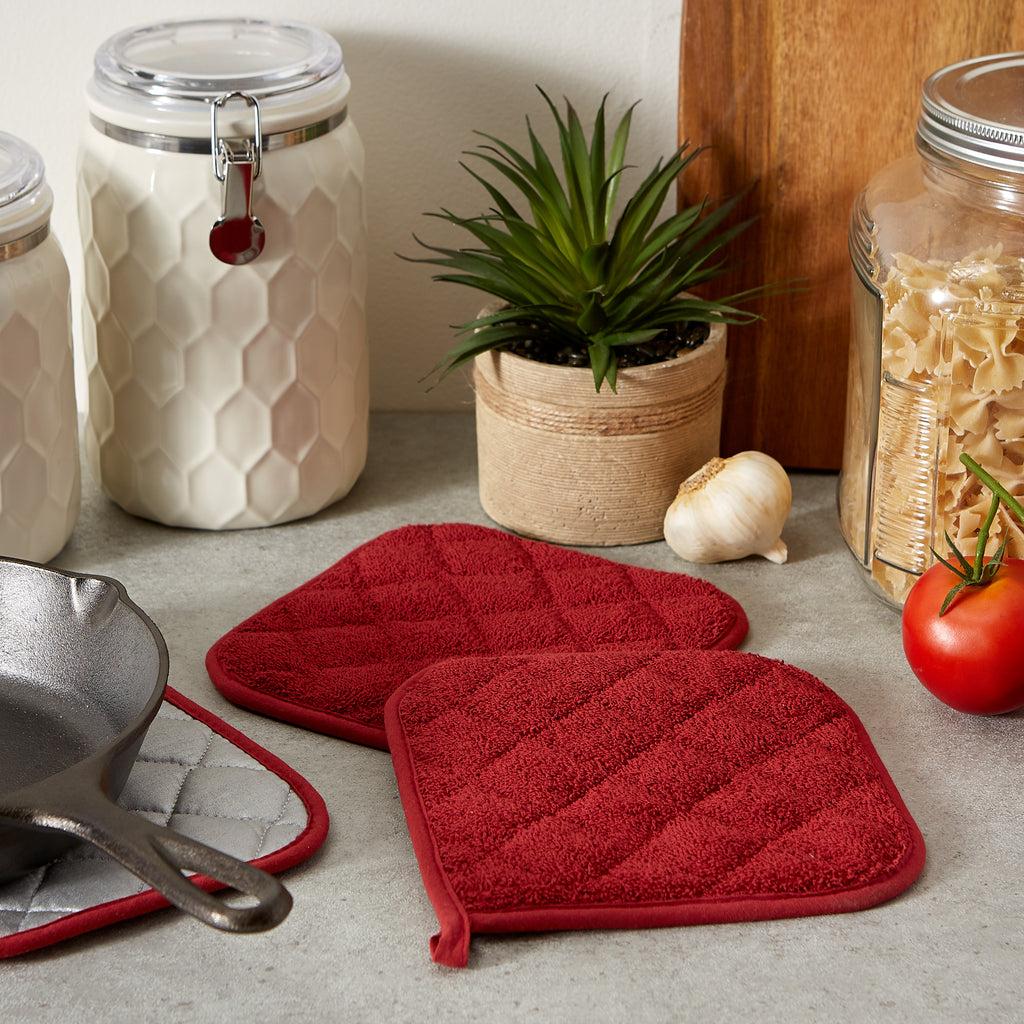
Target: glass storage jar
x=40, y=477
x=222, y=216
x=937, y=329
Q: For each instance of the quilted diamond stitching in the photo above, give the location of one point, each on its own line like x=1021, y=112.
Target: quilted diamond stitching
x=763, y=786
x=627, y=754
x=385, y=616
x=757, y=842
x=85, y=877
x=534, y=575
x=338, y=645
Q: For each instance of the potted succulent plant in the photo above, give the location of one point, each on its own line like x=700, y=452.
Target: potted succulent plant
x=598, y=373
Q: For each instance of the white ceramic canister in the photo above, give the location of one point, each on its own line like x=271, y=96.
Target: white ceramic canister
x=40, y=477
x=222, y=215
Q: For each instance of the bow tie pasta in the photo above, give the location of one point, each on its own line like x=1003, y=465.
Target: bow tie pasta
x=952, y=381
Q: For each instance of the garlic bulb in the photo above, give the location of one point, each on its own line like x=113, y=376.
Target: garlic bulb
x=731, y=508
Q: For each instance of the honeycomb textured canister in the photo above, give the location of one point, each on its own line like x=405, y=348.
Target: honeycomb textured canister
x=224, y=396
x=40, y=478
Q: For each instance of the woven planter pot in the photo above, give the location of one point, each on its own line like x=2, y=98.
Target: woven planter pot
x=561, y=462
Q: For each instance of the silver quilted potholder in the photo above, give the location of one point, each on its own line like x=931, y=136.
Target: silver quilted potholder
x=189, y=778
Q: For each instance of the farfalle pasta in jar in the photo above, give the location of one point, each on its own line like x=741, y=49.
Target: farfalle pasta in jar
x=937, y=329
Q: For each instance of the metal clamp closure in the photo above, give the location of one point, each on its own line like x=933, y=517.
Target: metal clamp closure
x=237, y=237
x=221, y=149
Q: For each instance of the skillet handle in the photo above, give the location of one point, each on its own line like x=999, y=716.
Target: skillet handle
x=162, y=856
x=159, y=855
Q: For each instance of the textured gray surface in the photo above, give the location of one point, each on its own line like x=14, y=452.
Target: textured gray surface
x=354, y=947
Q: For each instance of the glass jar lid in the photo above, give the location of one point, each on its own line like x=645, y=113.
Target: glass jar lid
x=25, y=198
x=163, y=78
x=974, y=111
x=21, y=170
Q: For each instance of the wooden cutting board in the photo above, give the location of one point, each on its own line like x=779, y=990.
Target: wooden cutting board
x=809, y=98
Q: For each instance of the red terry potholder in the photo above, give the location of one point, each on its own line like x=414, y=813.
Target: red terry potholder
x=329, y=654
x=634, y=789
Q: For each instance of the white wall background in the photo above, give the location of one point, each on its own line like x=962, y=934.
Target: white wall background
x=425, y=73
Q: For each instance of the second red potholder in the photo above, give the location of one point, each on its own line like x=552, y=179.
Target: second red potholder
x=628, y=789
x=330, y=653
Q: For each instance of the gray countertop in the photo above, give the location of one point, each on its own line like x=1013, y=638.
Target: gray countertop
x=355, y=947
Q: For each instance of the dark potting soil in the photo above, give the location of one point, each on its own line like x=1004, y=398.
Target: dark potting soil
x=669, y=344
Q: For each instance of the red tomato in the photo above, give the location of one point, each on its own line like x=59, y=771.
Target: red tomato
x=972, y=657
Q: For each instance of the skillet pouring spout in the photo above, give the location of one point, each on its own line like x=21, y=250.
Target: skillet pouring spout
x=83, y=672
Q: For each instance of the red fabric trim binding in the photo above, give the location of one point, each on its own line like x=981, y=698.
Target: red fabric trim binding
x=450, y=946
x=298, y=850
x=329, y=723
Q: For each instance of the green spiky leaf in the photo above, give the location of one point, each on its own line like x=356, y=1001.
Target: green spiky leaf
x=551, y=250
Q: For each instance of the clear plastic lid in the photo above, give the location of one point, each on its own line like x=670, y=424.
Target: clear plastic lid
x=25, y=198
x=973, y=111
x=162, y=78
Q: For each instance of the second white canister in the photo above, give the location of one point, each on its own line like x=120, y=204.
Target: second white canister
x=220, y=194
x=40, y=477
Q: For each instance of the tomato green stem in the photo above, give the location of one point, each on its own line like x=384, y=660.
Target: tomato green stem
x=981, y=572
x=994, y=486
x=979, y=551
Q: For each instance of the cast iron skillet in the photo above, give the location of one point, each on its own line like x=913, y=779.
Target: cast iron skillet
x=82, y=674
